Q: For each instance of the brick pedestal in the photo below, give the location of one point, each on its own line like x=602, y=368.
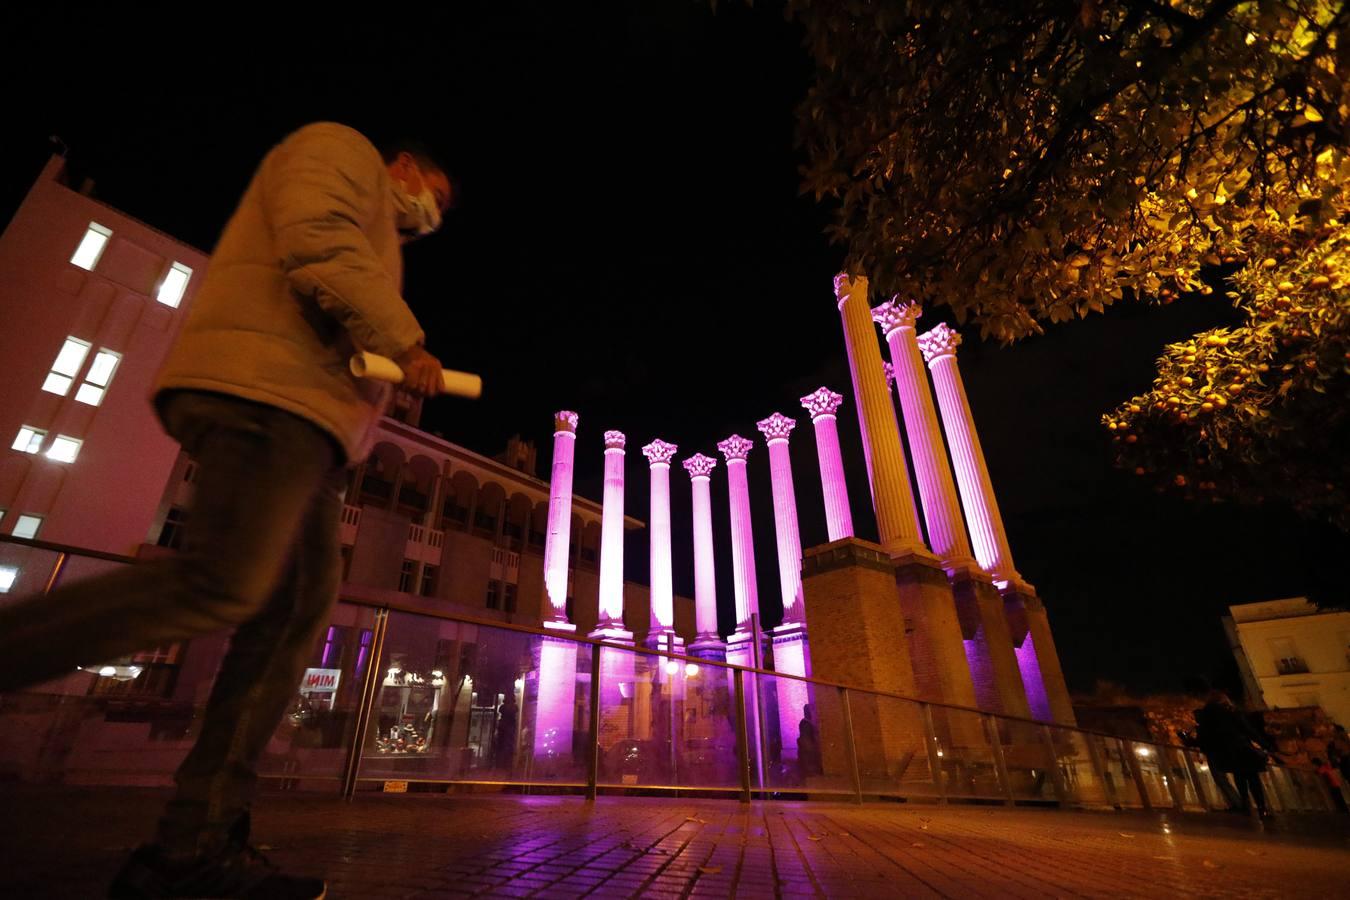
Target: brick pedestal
x=858, y=638
x=990, y=653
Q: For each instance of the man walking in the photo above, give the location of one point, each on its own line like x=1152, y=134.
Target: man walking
x=257, y=391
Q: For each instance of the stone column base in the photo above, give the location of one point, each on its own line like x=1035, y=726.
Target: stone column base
x=713, y=649
x=936, y=640
x=665, y=641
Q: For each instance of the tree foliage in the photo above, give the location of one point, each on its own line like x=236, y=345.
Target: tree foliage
x=1035, y=161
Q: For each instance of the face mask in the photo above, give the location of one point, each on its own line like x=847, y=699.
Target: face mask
x=416, y=215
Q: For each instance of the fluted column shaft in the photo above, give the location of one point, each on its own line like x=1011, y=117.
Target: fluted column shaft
x=735, y=449
x=611, y=533
x=776, y=430
x=823, y=405
x=659, y=454
x=557, y=542
x=987, y=534
x=937, y=491
x=705, y=578
x=888, y=475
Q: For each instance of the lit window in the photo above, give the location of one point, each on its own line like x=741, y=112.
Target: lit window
x=27, y=526
x=66, y=367
x=8, y=575
x=29, y=440
x=175, y=283
x=64, y=449
x=91, y=248
x=97, y=378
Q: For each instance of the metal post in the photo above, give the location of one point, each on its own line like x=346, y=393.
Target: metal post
x=674, y=719
x=742, y=737
x=370, y=688
x=1136, y=772
x=57, y=568
x=1174, y=785
x=931, y=743
x=1201, y=792
x=1000, y=765
x=757, y=697
x=1099, y=766
x=593, y=755
x=849, y=746
x=1056, y=773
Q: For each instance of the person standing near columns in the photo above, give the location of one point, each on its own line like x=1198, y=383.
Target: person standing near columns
x=823, y=406
x=558, y=539
x=709, y=640
x=662, y=631
x=972, y=474
x=776, y=429
x=941, y=508
x=610, y=623
x=736, y=449
x=888, y=474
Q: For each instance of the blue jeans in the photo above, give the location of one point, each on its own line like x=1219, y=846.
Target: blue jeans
x=260, y=554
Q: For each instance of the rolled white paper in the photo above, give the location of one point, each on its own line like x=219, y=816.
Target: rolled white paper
x=382, y=368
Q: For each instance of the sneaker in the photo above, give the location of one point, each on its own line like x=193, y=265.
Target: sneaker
x=238, y=872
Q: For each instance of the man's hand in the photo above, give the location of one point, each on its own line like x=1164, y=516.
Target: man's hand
x=421, y=371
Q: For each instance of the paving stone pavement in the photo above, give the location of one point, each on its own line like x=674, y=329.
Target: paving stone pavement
x=67, y=842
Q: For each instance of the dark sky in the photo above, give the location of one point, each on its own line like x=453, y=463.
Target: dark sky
x=631, y=245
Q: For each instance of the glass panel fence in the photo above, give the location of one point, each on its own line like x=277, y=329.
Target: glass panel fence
x=1074, y=754
x=24, y=570
x=1027, y=757
x=805, y=748
x=966, y=755
x=665, y=723
x=891, y=738
x=1152, y=771
x=1116, y=770
x=459, y=702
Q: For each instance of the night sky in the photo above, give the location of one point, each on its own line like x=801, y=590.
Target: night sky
x=631, y=244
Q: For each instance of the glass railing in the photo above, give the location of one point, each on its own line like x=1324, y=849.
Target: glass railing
x=396, y=694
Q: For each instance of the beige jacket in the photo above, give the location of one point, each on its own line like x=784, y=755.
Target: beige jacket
x=308, y=269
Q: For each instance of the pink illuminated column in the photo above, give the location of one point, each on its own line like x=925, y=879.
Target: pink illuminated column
x=941, y=508
x=972, y=475
x=736, y=449
x=888, y=474
x=776, y=429
x=823, y=405
x=659, y=454
x=610, y=622
x=700, y=469
x=557, y=544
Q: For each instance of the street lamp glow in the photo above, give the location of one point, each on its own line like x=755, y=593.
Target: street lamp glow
x=672, y=668
x=691, y=670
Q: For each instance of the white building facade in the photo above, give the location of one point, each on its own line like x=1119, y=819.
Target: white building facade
x=1293, y=654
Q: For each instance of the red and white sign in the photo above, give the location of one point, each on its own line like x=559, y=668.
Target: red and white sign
x=320, y=681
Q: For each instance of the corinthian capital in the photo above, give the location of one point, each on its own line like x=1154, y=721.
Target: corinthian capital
x=658, y=452
x=824, y=402
x=735, y=448
x=846, y=286
x=565, y=421
x=614, y=440
x=777, y=427
x=700, y=466
x=894, y=314
x=940, y=341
